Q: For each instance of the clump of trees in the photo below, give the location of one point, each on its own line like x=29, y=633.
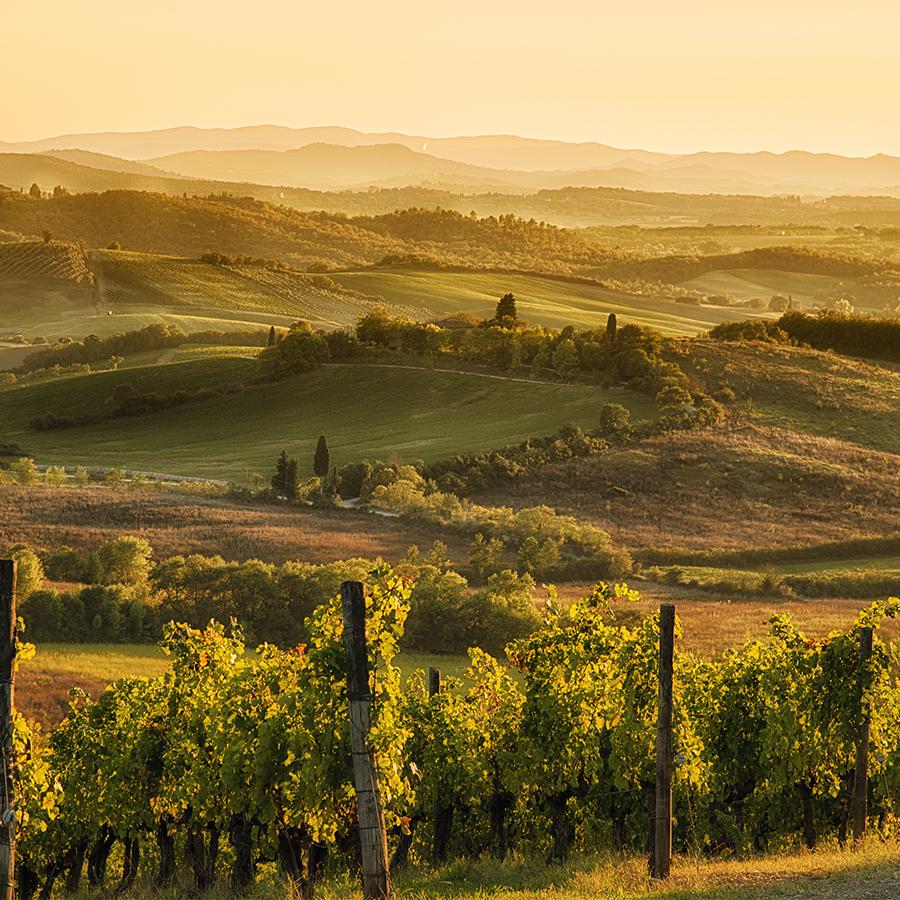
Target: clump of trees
x=237, y=259
x=857, y=335
x=609, y=355
x=128, y=400
x=543, y=542
x=127, y=597
x=300, y=350
x=286, y=480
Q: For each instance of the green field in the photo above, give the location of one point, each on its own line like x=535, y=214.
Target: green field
x=110, y=661
x=365, y=411
x=543, y=301
x=746, y=284
x=882, y=564
x=60, y=310
x=139, y=288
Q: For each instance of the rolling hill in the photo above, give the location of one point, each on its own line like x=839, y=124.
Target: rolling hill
x=369, y=411
x=47, y=290
x=81, y=171
x=542, y=301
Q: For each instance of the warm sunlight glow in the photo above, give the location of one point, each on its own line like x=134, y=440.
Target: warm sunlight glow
x=701, y=74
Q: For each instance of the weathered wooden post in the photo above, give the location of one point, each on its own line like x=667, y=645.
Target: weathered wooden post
x=7, y=668
x=861, y=772
x=662, y=845
x=434, y=681
x=376, y=879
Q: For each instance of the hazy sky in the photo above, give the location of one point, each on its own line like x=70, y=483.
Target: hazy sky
x=674, y=75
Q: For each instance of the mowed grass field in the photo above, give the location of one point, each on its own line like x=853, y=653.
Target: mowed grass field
x=542, y=301
x=748, y=283
x=364, y=410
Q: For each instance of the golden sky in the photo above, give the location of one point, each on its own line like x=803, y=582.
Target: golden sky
x=657, y=74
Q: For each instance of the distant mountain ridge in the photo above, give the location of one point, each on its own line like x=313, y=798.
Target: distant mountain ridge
x=333, y=167
x=548, y=163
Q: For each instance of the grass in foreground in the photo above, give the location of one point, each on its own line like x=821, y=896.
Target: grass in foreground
x=870, y=871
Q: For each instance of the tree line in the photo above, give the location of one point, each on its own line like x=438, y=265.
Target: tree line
x=878, y=338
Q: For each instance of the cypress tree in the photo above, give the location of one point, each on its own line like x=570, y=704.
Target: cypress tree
x=272, y=337
x=611, y=326
x=506, y=313
x=279, y=479
x=291, y=479
x=322, y=459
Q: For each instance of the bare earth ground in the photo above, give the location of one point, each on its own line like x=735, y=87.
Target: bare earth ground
x=752, y=486
x=180, y=524
x=43, y=697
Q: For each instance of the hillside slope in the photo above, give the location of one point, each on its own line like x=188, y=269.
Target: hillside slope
x=191, y=226
x=379, y=412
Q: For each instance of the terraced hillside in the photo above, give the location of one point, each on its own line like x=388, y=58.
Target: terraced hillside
x=43, y=287
x=366, y=411
x=43, y=260
x=175, y=284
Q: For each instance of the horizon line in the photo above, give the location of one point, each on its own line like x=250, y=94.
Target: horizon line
x=449, y=136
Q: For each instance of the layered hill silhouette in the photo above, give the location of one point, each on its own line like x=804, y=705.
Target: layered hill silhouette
x=79, y=172
x=496, y=159
x=335, y=167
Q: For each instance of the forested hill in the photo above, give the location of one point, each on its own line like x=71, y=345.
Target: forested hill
x=424, y=238
x=191, y=226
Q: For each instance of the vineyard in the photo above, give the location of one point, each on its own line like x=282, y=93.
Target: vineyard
x=53, y=260
x=173, y=282
x=232, y=761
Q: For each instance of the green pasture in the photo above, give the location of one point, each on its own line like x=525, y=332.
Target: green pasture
x=364, y=410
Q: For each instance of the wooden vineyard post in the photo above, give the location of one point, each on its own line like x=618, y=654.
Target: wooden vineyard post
x=376, y=879
x=434, y=681
x=7, y=664
x=662, y=845
x=861, y=772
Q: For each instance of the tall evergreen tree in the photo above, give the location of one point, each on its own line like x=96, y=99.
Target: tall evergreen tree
x=279, y=479
x=291, y=479
x=506, y=313
x=272, y=337
x=611, y=326
x=322, y=459
x=286, y=477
